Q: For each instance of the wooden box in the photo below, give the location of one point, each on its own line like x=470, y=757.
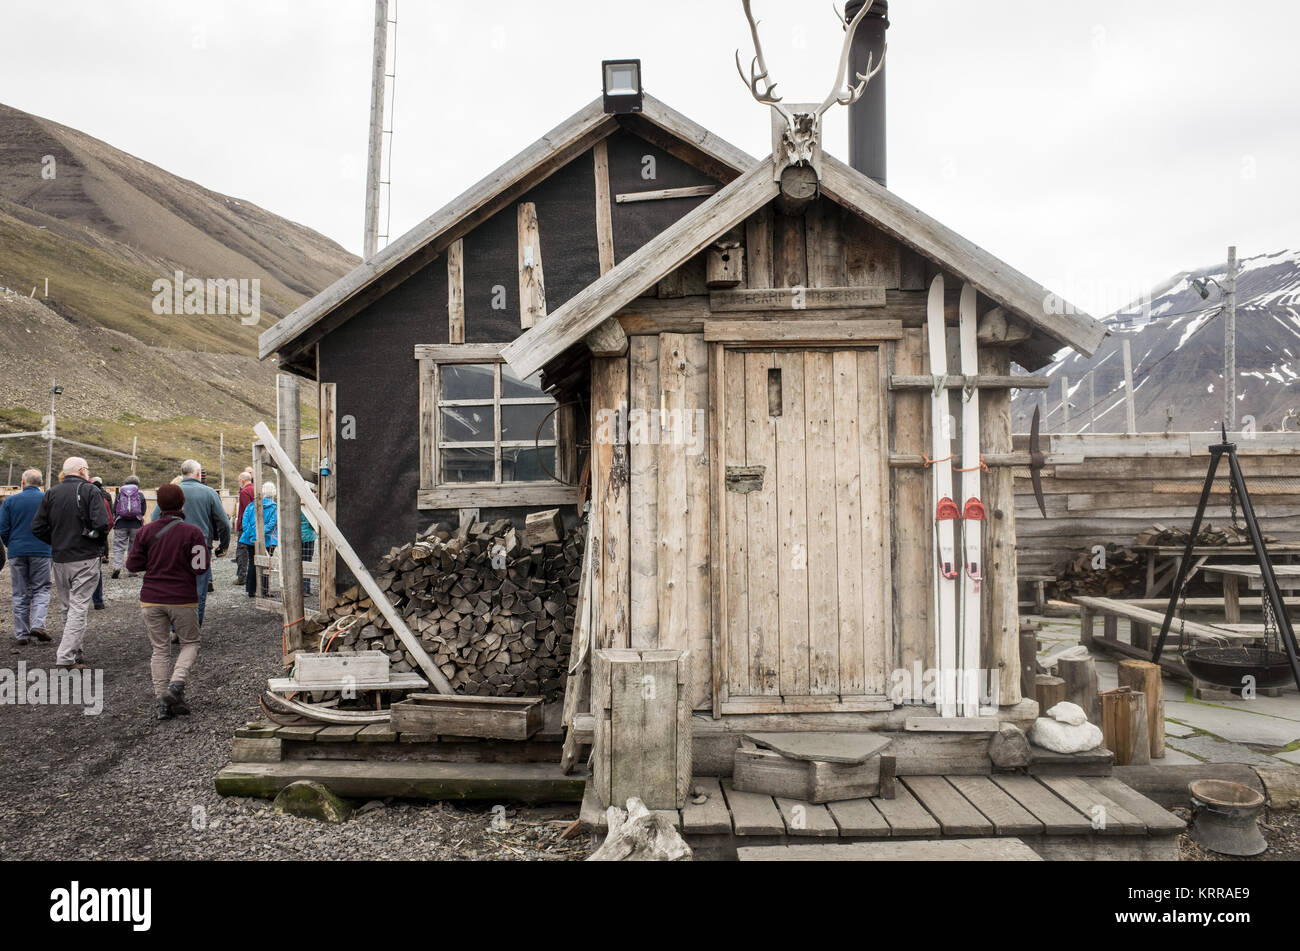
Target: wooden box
x=815, y=781
x=640, y=702
x=493, y=718
x=361, y=667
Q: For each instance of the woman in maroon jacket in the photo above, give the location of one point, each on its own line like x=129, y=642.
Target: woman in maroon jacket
x=172, y=554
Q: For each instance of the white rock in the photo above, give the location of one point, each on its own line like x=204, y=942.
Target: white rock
x=1065, y=737
x=1067, y=712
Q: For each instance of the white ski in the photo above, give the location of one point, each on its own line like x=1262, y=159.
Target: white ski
x=945, y=569
x=972, y=512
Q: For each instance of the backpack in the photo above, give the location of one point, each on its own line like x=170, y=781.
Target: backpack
x=130, y=503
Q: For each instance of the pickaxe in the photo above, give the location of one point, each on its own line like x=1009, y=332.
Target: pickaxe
x=1036, y=462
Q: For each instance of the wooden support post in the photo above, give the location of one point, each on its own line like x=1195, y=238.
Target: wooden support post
x=1028, y=663
x=1124, y=726
x=1085, y=627
x=640, y=702
x=1080, y=676
x=290, y=513
x=1050, y=691
x=1128, y=386
x=610, y=500
x=259, y=520
x=532, y=283
x=354, y=563
x=456, y=292
x=328, y=412
x=1232, y=599
x=1145, y=677
x=604, y=211
x=1001, y=596
x=134, y=455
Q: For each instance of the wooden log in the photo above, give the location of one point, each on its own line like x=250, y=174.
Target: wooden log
x=1146, y=678
x=1049, y=691
x=290, y=512
x=604, y=213
x=456, y=292
x=532, y=282
x=1080, y=676
x=541, y=528
x=328, y=412
x=1028, y=663
x=1001, y=597
x=1124, y=726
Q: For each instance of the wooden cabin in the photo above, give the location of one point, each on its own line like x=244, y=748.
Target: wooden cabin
x=635, y=313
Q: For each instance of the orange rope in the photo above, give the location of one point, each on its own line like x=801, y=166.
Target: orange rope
x=929, y=462
x=983, y=467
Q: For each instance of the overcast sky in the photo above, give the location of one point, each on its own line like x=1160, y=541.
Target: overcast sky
x=1098, y=147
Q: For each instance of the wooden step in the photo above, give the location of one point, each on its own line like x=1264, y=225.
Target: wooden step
x=919, y=850
x=496, y=782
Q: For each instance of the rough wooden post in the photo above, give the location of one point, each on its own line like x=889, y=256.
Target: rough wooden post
x=1080, y=676
x=1124, y=726
x=1145, y=678
x=289, y=519
x=1050, y=691
x=326, y=553
x=1001, y=591
x=259, y=523
x=641, y=706
x=610, y=499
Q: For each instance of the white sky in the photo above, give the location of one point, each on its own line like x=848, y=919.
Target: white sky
x=1098, y=147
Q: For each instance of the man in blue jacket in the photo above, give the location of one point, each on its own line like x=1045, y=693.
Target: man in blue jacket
x=29, y=560
x=203, y=510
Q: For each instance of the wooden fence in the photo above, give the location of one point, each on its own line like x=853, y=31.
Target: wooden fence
x=1108, y=488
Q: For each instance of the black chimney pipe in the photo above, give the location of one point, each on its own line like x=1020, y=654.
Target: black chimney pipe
x=867, y=139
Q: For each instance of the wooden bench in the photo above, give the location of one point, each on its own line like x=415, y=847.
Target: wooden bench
x=1288, y=579
x=1142, y=620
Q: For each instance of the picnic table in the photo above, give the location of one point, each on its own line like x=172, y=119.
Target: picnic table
x=1288, y=579
x=1162, y=560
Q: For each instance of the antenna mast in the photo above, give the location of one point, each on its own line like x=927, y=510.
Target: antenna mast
x=379, y=100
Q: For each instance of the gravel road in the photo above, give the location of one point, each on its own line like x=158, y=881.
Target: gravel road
x=122, y=785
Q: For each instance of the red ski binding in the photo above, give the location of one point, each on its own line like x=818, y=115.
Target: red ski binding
x=974, y=511
x=947, y=510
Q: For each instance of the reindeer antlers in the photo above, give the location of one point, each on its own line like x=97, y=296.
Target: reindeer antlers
x=848, y=96
x=758, y=72
x=842, y=94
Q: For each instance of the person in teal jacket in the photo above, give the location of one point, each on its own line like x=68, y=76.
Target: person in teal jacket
x=308, y=547
x=270, y=534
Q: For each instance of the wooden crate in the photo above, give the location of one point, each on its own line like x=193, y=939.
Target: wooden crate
x=494, y=718
x=640, y=701
x=363, y=667
x=770, y=773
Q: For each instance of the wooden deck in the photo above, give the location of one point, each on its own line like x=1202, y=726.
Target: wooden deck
x=1059, y=817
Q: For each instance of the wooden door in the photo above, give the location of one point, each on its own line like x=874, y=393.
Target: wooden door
x=804, y=567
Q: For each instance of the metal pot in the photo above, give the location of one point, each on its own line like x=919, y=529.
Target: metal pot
x=1229, y=666
x=1224, y=817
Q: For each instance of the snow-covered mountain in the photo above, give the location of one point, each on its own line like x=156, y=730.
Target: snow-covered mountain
x=1177, y=343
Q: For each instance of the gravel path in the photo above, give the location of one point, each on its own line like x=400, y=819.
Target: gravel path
x=122, y=785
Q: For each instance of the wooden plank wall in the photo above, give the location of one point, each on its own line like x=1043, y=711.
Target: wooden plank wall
x=668, y=517
x=1124, y=484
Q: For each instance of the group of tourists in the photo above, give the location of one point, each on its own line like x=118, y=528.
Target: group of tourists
x=58, y=541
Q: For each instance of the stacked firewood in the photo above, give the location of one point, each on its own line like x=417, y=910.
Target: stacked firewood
x=493, y=608
x=1208, y=535
x=1118, y=573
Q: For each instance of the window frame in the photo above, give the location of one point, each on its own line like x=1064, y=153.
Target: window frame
x=437, y=494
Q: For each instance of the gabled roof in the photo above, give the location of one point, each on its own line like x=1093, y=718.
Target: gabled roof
x=426, y=240
x=847, y=187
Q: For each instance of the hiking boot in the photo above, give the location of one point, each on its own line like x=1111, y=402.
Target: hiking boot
x=22, y=641
x=81, y=656
x=100, y=606
x=40, y=634
x=76, y=666
x=212, y=589
x=174, y=698
x=164, y=712
x=117, y=573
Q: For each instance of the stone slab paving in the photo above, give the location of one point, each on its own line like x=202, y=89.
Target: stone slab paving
x=1292, y=757
x=1236, y=726
x=1178, y=729
x=1210, y=750
x=1174, y=757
